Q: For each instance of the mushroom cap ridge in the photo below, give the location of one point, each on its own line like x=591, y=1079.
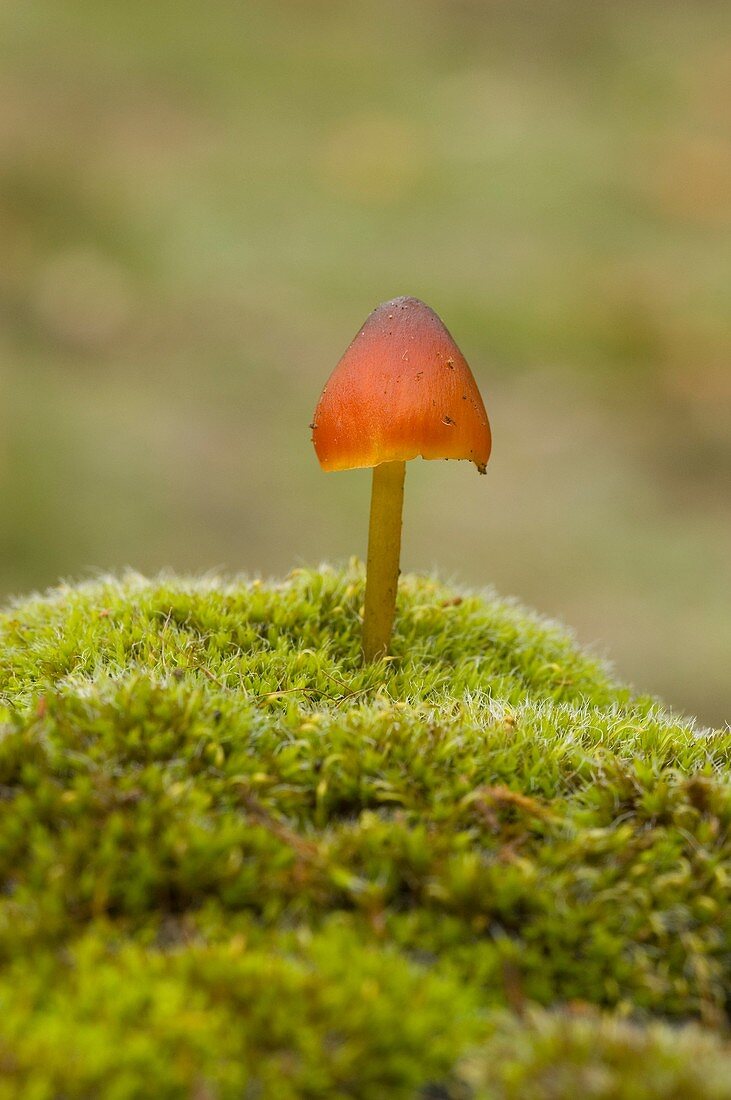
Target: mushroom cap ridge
x=402, y=389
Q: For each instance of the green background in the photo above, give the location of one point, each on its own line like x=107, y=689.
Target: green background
x=199, y=204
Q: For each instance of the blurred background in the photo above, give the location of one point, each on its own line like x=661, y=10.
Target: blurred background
x=199, y=205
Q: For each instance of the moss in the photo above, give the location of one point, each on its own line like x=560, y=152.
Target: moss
x=554, y=1055
x=234, y=862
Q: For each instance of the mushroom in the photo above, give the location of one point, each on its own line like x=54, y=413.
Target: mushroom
x=402, y=389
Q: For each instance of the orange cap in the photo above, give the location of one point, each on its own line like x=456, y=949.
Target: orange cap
x=402, y=389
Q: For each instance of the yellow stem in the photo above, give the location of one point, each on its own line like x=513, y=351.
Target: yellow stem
x=384, y=549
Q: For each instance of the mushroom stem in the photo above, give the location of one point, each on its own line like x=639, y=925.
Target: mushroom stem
x=384, y=549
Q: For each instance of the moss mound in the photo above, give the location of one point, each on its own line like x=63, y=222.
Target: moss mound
x=235, y=863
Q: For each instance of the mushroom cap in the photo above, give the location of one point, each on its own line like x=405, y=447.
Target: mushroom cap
x=402, y=389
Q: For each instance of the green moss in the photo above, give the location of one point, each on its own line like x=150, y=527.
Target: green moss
x=234, y=862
